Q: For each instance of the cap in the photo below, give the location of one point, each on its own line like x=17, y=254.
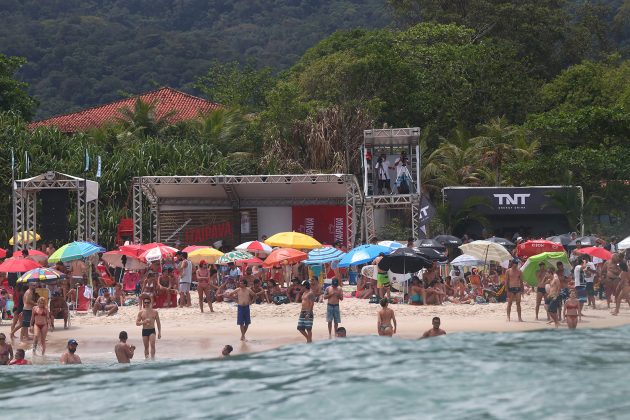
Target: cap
x=335, y=282
x=73, y=342
x=520, y=238
x=202, y=262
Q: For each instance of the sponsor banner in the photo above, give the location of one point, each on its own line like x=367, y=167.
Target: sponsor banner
x=508, y=200
x=327, y=224
x=208, y=233
x=427, y=210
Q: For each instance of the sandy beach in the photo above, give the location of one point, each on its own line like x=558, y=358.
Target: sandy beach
x=189, y=334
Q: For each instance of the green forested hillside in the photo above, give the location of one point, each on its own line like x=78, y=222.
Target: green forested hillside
x=85, y=52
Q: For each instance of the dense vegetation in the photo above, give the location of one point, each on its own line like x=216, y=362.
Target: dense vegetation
x=497, y=107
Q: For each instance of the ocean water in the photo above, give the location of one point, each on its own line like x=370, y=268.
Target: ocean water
x=557, y=374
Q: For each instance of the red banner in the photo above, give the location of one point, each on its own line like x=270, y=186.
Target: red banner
x=327, y=224
x=198, y=235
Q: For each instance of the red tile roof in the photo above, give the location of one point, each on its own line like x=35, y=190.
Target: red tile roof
x=186, y=107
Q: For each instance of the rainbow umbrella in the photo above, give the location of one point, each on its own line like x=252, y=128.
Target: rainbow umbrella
x=75, y=251
x=40, y=275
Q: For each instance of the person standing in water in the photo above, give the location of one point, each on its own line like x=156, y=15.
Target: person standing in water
x=334, y=295
x=244, y=297
x=39, y=321
x=435, y=331
x=148, y=318
x=70, y=357
x=124, y=352
x=385, y=319
x=305, y=322
x=514, y=283
x=6, y=350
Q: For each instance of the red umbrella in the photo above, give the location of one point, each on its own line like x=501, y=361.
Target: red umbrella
x=3, y=253
x=132, y=249
x=157, y=253
x=192, y=248
x=538, y=246
x=34, y=254
x=283, y=256
x=131, y=260
x=250, y=261
x=18, y=265
x=594, y=251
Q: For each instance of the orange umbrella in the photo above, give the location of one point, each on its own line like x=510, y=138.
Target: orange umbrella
x=284, y=256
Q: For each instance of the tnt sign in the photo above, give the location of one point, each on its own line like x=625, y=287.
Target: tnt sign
x=511, y=201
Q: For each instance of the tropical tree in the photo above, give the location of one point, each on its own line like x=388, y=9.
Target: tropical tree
x=450, y=222
x=13, y=93
x=143, y=120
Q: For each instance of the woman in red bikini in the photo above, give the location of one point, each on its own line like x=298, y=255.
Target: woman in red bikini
x=571, y=310
x=40, y=320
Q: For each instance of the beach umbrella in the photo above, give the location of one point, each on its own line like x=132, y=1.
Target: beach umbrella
x=208, y=254
x=40, y=275
x=255, y=247
x=625, y=244
x=486, y=251
x=530, y=248
x=324, y=255
x=363, y=254
x=284, y=256
x=233, y=257
x=25, y=237
x=3, y=253
x=122, y=259
x=466, y=260
x=597, y=252
x=250, y=261
x=404, y=260
x=18, y=265
x=192, y=248
x=550, y=259
x=448, y=240
x=33, y=254
x=135, y=249
x=369, y=271
x=584, y=241
x=391, y=244
x=432, y=254
x=75, y=251
x=501, y=241
x=560, y=239
x=429, y=243
x=158, y=252
x=295, y=240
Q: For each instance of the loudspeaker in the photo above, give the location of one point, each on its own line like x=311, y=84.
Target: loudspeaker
x=54, y=215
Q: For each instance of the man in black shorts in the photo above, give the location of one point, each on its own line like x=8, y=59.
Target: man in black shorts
x=305, y=322
x=514, y=283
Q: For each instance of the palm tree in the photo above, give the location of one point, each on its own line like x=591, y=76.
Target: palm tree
x=222, y=128
x=142, y=119
x=451, y=221
x=499, y=142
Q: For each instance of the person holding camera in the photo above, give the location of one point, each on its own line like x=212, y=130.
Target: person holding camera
x=382, y=169
x=402, y=173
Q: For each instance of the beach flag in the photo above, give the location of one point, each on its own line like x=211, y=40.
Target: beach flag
x=86, y=161
x=27, y=162
x=98, y=166
x=12, y=160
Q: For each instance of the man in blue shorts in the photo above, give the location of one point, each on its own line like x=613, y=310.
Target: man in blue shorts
x=244, y=298
x=334, y=295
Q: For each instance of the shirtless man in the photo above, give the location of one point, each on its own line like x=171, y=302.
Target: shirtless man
x=294, y=292
x=124, y=352
x=305, y=322
x=6, y=350
x=69, y=357
x=27, y=313
x=435, y=331
x=227, y=349
x=541, y=281
x=553, y=297
x=78, y=270
x=611, y=273
x=514, y=282
x=105, y=303
x=564, y=286
x=334, y=295
x=244, y=298
x=148, y=318
x=385, y=319
x=624, y=287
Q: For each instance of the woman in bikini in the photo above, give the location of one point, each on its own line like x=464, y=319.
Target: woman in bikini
x=40, y=320
x=204, y=287
x=6, y=351
x=417, y=294
x=571, y=310
x=385, y=319
x=624, y=287
x=149, y=286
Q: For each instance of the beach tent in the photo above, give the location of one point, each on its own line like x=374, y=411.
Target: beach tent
x=625, y=244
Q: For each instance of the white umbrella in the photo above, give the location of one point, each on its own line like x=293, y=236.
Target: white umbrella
x=369, y=271
x=625, y=244
x=158, y=253
x=254, y=247
x=131, y=262
x=466, y=260
x=486, y=251
x=391, y=244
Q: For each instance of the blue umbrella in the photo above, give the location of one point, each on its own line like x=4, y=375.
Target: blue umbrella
x=324, y=255
x=363, y=254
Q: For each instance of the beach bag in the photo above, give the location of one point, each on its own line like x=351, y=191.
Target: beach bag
x=374, y=299
x=279, y=300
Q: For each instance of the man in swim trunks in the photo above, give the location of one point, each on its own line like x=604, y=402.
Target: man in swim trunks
x=579, y=279
x=435, y=331
x=334, y=294
x=244, y=298
x=185, y=279
x=305, y=322
x=541, y=281
x=563, y=276
x=27, y=312
x=383, y=285
x=148, y=318
x=69, y=357
x=554, y=298
x=514, y=283
x=385, y=319
x=124, y=352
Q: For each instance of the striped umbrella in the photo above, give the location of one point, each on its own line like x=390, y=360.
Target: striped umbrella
x=233, y=257
x=158, y=252
x=324, y=255
x=254, y=247
x=75, y=251
x=40, y=275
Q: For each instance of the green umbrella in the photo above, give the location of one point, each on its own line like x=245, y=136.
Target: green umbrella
x=550, y=259
x=233, y=257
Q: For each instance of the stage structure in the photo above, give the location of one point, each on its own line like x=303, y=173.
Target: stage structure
x=187, y=210
x=25, y=204
x=381, y=149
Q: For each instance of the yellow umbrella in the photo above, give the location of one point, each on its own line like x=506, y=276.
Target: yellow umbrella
x=295, y=240
x=25, y=237
x=210, y=255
